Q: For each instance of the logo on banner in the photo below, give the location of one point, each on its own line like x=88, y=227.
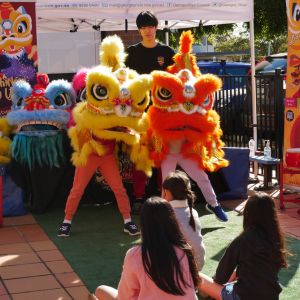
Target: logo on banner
x=293, y=13
x=18, y=54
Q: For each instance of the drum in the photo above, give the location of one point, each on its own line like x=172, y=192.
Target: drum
x=292, y=158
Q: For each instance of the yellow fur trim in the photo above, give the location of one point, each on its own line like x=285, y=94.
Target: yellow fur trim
x=102, y=76
x=5, y=141
x=139, y=155
x=4, y=150
x=5, y=128
x=112, y=53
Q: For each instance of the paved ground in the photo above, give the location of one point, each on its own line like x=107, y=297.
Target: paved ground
x=32, y=268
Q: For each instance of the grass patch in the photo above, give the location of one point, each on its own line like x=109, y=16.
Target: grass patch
x=97, y=245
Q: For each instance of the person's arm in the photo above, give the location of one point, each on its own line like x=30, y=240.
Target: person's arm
x=129, y=60
x=228, y=262
x=129, y=287
x=169, y=58
x=200, y=253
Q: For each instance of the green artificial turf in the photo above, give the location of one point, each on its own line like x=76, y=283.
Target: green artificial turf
x=97, y=245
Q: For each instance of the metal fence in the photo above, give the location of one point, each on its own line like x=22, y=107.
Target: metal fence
x=234, y=104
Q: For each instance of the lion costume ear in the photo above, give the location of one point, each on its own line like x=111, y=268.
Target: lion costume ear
x=112, y=53
x=184, y=59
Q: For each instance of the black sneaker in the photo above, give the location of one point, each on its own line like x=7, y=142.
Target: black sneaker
x=218, y=211
x=64, y=230
x=131, y=228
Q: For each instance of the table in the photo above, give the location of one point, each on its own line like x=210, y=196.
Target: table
x=267, y=164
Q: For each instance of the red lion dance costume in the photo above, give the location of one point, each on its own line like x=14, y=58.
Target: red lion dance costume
x=184, y=129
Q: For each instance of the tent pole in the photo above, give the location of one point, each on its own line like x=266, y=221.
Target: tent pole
x=167, y=33
x=253, y=83
x=97, y=36
x=253, y=88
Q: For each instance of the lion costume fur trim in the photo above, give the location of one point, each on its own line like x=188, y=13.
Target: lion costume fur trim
x=5, y=141
x=201, y=129
x=184, y=59
x=98, y=119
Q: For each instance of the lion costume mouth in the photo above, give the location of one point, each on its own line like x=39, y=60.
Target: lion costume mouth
x=183, y=128
x=122, y=129
x=38, y=126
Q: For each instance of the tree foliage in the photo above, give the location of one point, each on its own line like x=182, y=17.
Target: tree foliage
x=270, y=29
x=270, y=18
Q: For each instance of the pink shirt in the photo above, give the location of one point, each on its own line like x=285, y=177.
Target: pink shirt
x=135, y=284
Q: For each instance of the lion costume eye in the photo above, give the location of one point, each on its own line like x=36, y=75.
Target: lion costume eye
x=19, y=102
x=206, y=102
x=163, y=94
x=22, y=27
x=99, y=92
x=81, y=95
x=62, y=100
x=296, y=12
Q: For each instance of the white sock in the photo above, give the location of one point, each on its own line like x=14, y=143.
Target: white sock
x=127, y=220
x=67, y=221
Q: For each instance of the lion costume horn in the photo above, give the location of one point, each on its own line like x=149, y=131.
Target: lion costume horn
x=184, y=59
x=112, y=53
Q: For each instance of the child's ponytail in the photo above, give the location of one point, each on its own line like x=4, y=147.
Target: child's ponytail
x=190, y=199
x=179, y=185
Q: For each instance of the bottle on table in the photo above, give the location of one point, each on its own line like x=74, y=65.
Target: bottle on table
x=252, y=147
x=267, y=149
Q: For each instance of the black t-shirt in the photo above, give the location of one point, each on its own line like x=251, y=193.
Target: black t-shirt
x=145, y=60
x=257, y=272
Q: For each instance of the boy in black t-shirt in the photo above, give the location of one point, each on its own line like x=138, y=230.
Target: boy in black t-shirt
x=145, y=57
x=149, y=54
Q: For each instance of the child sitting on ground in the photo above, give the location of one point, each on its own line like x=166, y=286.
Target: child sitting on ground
x=257, y=254
x=162, y=267
x=176, y=189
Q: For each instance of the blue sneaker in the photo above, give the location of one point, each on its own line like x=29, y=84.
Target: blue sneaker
x=218, y=211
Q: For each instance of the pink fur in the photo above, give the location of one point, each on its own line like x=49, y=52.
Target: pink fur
x=79, y=78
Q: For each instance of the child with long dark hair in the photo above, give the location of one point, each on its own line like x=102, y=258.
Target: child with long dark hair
x=163, y=266
x=255, y=257
x=176, y=189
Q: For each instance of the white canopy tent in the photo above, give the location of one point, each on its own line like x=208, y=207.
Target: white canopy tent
x=112, y=15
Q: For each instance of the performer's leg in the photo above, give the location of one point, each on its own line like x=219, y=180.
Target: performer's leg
x=201, y=178
x=139, y=181
x=169, y=165
x=110, y=171
x=203, y=182
x=159, y=179
x=81, y=179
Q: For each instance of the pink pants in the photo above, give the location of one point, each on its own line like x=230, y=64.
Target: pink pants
x=190, y=167
x=108, y=167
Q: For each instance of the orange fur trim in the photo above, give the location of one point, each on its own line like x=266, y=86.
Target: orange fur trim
x=184, y=59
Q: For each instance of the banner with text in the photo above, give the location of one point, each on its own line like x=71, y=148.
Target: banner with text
x=18, y=50
x=291, y=151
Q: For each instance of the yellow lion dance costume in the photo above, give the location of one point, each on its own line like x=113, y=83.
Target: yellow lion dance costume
x=114, y=111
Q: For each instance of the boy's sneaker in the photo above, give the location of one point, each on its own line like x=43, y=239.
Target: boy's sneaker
x=218, y=211
x=64, y=230
x=131, y=228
